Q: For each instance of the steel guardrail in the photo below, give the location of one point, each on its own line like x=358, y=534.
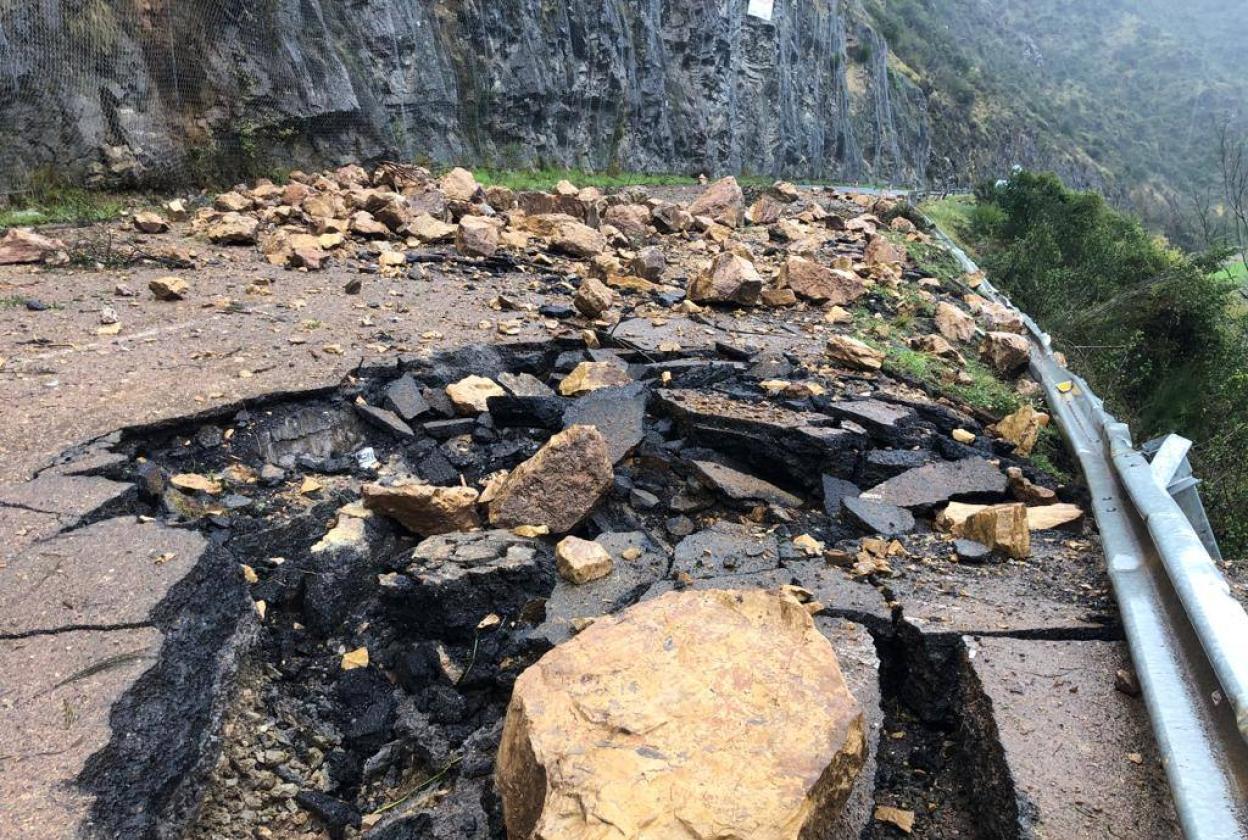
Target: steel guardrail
x=1187, y=634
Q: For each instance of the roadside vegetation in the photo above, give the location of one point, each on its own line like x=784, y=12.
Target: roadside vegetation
x=1152, y=328
x=72, y=206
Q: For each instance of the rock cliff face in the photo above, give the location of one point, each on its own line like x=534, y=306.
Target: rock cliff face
x=150, y=90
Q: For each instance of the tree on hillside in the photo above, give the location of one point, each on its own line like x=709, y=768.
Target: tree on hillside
x=1233, y=168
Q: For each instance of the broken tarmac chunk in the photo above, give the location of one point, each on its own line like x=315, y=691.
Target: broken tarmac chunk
x=740, y=486
x=940, y=482
x=403, y=397
x=878, y=517
x=557, y=487
x=455, y=580
x=383, y=418
x=725, y=548
x=619, y=414
x=638, y=698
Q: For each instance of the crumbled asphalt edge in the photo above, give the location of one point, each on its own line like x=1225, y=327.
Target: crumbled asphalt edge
x=166, y=727
x=149, y=779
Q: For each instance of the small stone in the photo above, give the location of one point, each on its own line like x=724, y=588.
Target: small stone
x=169, y=288
x=424, y=509
x=854, y=354
x=1008, y=353
x=149, y=222
x=902, y=819
x=963, y=436
x=357, y=658
x=470, y=395
x=476, y=237
x=1126, y=682
x=592, y=376
x=580, y=561
x=593, y=298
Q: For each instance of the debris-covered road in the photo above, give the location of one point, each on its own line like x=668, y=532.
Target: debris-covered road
x=438, y=429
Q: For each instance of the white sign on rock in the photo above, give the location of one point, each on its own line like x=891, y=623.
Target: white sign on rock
x=761, y=8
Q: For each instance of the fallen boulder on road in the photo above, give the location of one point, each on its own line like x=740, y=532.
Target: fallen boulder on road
x=624, y=730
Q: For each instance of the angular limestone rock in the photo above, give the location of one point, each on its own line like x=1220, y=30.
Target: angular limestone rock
x=234, y=229
x=1007, y=352
x=723, y=202
x=169, y=288
x=1022, y=429
x=728, y=279
x=23, y=245
x=627, y=730
x=470, y=395
x=424, y=509
x=815, y=282
x=558, y=486
x=853, y=353
x=593, y=376
x=476, y=237
x=953, y=323
x=593, y=298
x=1001, y=528
x=581, y=561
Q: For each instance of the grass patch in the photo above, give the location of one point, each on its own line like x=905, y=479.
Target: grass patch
x=984, y=392
x=952, y=215
x=61, y=205
x=1050, y=450
x=12, y=302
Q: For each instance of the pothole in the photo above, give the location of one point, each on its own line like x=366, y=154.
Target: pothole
x=372, y=697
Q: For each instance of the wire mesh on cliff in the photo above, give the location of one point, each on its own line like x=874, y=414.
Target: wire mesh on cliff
x=176, y=92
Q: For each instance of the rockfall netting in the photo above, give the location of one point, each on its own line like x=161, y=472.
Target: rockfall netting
x=171, y=92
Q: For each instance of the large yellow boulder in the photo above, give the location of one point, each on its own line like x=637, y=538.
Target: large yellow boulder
x=700, y=714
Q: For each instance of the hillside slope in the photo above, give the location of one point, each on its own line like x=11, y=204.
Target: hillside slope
x=1118, y=95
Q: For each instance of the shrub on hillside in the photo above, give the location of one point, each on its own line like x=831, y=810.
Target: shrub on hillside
x=1146, y=323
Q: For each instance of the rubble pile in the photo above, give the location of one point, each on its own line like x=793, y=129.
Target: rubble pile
x=433, y=533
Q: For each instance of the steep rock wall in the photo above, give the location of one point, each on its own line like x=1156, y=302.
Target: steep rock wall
x=151, y=90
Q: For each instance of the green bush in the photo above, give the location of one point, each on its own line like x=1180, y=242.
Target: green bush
x=1148, y=326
